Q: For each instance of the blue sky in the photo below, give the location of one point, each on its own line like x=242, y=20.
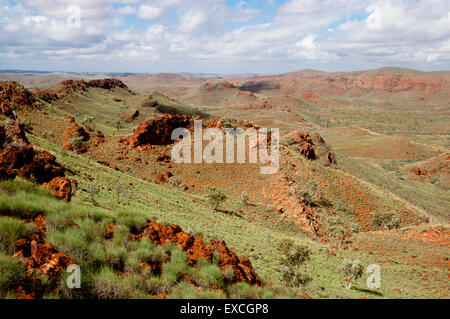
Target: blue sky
x=220, y=36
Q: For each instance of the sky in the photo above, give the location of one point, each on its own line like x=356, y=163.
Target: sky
x=220, y=36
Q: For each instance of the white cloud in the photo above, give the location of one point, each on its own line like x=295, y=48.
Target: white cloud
x=322, y=33
x=149, y=12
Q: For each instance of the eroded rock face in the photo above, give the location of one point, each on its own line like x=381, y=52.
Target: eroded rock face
x=108, y=84
x=157, y=131
x=196, y=249
x=72, y=132
x=304, y=142
x=311, y=146
x=14, y=96
x=27, y=163
x=61, y=188
x=211, y=86
x=42, y=258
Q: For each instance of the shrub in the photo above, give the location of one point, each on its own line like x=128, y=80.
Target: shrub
x=93, y=191
x=88, y=121
x=352, y=269
x=293, y=257
x=11, y=273
x=11, y=230
x=389, y=220
x=106, y=285
x=215, y=197
x=244, y=199
x=227, y=123
x=77, y=142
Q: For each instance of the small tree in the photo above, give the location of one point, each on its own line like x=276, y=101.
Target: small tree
x=244, y=199
x=293, y=257
x=88, y=121
x=215, y=197
x=93, y=191
x=389, y=220
x=119, y=189
x=353, y=270
x=77, y=142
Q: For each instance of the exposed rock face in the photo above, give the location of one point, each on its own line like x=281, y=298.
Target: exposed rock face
x=196, y=249
x=311, y=146
x=61, y=188
x=14, y=96
x=45, y=94
x=108, y=84
x=131, y=117
x=304, y=142
x=74, y=131
x=246, y=94
x=42, y=258
x=26, y=163
x=211, y=86
x=67, y=87
x=157, y=131
x=14, y=132
x=163, y=157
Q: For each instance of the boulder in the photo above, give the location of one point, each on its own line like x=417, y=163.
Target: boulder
x=61, y=188
x=157, y=131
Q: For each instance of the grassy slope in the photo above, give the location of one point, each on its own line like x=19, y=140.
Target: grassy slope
x=171, y=206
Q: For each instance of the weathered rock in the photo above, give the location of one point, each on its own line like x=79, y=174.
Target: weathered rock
x=163, y=157
x=304, y=143
x=14, y=96
x=61, y=188
x=196, y=249
x=72, y=132
x=43, y=258
x=157, y=131
x=131, y=117
x=25, y=162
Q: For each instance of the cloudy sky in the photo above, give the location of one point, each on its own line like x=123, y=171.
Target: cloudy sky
x=223, y=36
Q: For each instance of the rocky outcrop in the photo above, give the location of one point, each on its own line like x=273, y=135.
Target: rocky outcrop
x=108, y=84
x=211, y=86
x=303, y=141
x=77, y=132
x=157, y=131
x=42, y=258
x=61, y=188
x=311, y=146
x=196, y=249
x=27, y=163
x=131, y=117
x=14, y=96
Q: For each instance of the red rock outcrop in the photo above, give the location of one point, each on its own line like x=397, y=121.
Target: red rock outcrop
x=108, y=84
x=27, y=163
x=61, y=188
x=196, y=249
x=211, y=86
x=163, y=157
x=131, y=117
x=14, y=96
x=45, y=94
x=71, y=132
x=157, y=131
x=42, y=258
x=304, y=142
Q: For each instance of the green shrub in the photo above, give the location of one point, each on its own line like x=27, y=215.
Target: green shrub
x=215, y=197
x=389, y=220
x=293, y=256
x=11, y=273
x=11, y=230
x=353, y=270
